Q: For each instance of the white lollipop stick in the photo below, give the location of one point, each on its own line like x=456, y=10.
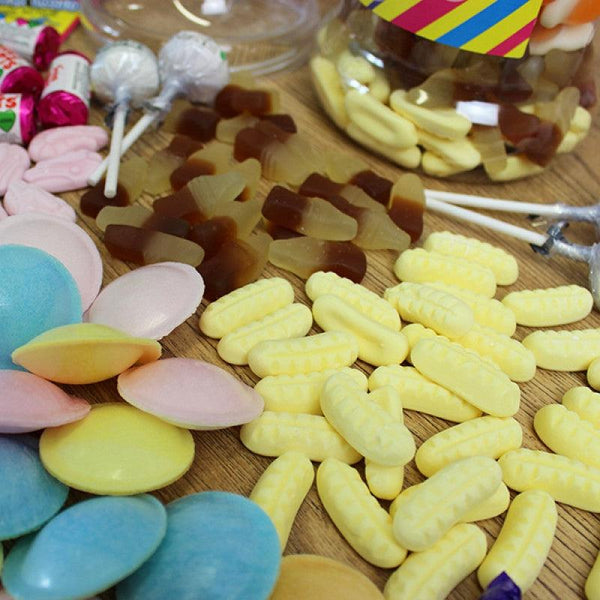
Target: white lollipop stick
x=546, y=210
x=134, y=133
x=114, y=156
x=531, y=237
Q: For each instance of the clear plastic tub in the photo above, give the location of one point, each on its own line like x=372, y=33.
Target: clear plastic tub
x=259, y=36
x=445, y=110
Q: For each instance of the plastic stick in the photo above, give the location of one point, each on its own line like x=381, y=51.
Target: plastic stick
x=531, y=237
x=529, y=208
x=114, y=156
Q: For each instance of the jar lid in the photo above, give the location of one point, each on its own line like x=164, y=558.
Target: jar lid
x=259, y=36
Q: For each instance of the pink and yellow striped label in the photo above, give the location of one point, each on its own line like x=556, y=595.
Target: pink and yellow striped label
x=498, y=27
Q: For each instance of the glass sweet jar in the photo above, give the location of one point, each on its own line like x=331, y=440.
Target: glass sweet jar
x=506, y=91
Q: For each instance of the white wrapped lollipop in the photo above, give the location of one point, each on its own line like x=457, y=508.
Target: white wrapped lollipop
x=123, y=73
x=190, y=64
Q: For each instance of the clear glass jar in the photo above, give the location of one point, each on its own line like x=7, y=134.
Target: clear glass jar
x=259, y=36
x=446, y=110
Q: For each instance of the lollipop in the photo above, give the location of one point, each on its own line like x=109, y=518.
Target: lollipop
x=190, y=64
x=123, y=73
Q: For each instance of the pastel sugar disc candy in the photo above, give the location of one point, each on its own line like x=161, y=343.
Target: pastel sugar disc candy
x=37, y=293
x=190, y=393
x=142, y=302
x=29, y=495
x=85, y=549
x=117, y=450
x=218, y=545
x=29, y=403
x=310, y=576
x=64, y=240
x=84, y=353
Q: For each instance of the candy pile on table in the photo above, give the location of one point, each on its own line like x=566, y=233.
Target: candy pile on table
x=423, y=104
x=310, y=404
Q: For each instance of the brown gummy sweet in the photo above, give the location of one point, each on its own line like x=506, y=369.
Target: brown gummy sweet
x=285, y=207
x=183, y=145
x=193, y=167
x=236, y=263
x=94, y=200
x=139, y=216
x=181, y=205
x=277, y=232
x=250, y=143
x=144, y=246
x=212, y=234
x=374, y=185
x=407, y=205
x=320, y=186
x=233, y=100
x=305, y=256
x=535, y=138
x=283, y=121
x=195, y=122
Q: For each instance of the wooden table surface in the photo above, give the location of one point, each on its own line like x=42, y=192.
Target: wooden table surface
x=223, y=463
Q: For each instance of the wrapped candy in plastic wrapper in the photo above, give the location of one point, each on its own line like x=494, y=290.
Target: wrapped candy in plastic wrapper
x=38, y=44
x=17, y=76
x=17, y=118
x=66, y=97
x=191, y=65
x=123, y=73
x=502, y=588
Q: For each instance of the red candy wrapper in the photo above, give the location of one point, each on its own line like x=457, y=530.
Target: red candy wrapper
x=66, y=97
x=17, y=76
x=38, y=44
x=17, y=118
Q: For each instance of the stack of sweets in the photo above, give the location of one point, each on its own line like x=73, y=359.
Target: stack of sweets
x=26, y=101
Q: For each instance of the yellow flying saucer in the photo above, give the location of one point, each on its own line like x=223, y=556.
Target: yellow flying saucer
x=84, y=353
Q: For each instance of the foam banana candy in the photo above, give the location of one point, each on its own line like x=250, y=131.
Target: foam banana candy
x=524, y=540
x=419, y=393
x=383, y=481
x=585, y=403
x=362, y=299
x=433, y=308
x=565, y=479
x=274, y=433
x=467, y=375
x=367, y=427
x=377, y=344
x=434, y=573
x=301, y=393
x=564, y=350
x=510, y=355
x=282, y=488
x=420, y=266
x=484, y=436
x=487, y=312
x=593, y=374
x=245, y=305
x=489, y=508
x=365, y=525
x=291, y=321
x=566, y=433
x=549, y=307
x=329, y=350
x=503, y=265
x=592, y=584
x=441, y=501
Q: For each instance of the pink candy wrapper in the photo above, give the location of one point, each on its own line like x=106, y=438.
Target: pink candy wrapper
x=66, y=97
x=17, y=76
x=38, y=45
x=17, y=118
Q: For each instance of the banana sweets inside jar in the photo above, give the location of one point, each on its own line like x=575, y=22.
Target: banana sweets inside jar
x=455, y=88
